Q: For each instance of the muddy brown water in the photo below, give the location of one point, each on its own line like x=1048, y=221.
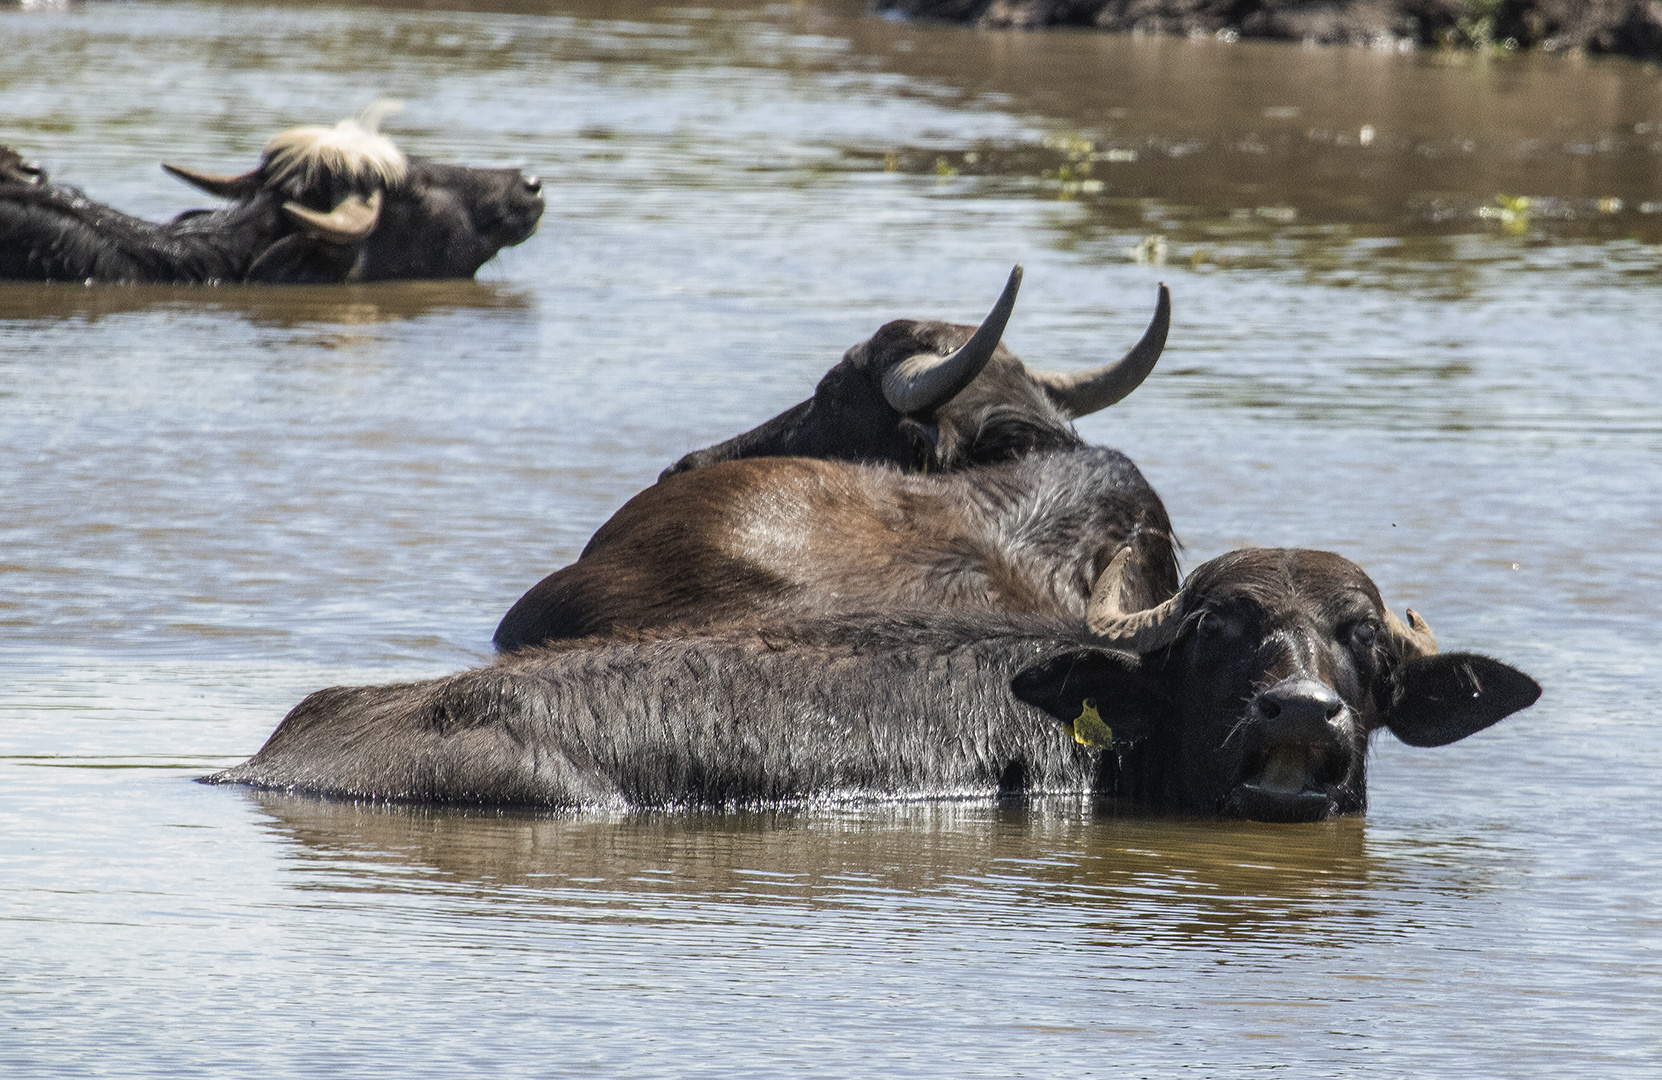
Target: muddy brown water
x=215, y=501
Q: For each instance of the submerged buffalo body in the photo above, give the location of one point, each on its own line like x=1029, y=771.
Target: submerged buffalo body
x=782, y=539
x=325, y=205
x=736, y=718
x=923, y=395
x=1251, y=693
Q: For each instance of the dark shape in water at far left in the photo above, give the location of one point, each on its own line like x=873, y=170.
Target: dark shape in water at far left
x=325, y=205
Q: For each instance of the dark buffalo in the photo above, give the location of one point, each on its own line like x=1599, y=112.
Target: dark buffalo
x=1251, y=693
x=933, y=395
x=1275, y=667
x=325, y=205
x=768, y=540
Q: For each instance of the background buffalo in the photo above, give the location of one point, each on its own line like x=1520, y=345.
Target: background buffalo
x=324, y=205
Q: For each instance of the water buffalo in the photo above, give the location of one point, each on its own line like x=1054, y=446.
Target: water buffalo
x=722, y=539
x=1251, y=693
x=325, y=205
x=933, y=395
x=766, y=540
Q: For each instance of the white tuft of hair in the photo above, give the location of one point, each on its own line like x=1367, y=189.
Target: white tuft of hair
x=353, y=149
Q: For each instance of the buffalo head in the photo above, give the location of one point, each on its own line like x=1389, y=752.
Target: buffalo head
x=1271, y=669
x=936, y=395
x=350, y=206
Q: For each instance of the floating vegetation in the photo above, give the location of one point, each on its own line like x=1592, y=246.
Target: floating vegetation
x=1064, y=163
x=1073, y=175
x=1119, y=193
x=1150, y=251
x=1475, y=28
x=1512, y=211
x=1477, y=25
x=1156, y=251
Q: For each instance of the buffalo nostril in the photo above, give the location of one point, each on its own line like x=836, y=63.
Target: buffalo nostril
x=533, y=184
x=1298, y=709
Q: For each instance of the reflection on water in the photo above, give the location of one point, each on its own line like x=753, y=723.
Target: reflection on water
x=215, y=500
x=1113, y=882
x=284, y=307
x=1108, y=871
x=1121, y=881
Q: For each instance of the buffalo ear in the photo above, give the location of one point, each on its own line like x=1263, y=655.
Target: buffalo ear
x=1442, y=699
x=1122, y=695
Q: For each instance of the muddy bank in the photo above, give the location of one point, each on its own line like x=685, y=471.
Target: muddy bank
x=1624, y=27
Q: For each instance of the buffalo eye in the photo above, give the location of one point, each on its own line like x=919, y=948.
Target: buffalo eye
x=1363, y=637
x=1214, y=625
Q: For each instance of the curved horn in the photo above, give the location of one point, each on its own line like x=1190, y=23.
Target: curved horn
x=1135, y=631
x=1084, y=392
x=348, y=223
x=926, y=380
x=223, y=187
x=1416, y=639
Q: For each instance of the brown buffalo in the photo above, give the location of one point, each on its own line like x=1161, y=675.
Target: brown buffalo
x=763, y=540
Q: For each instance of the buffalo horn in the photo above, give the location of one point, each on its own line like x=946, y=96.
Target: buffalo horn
x=1416, y=639
x=348, y=223
x=1084, y=392
x=1134, y=631
x=923, y=381
x=223, y=187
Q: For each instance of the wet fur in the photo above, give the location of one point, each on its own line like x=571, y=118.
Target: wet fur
x=873, y=709
x=765, y=540
x=53, y=232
